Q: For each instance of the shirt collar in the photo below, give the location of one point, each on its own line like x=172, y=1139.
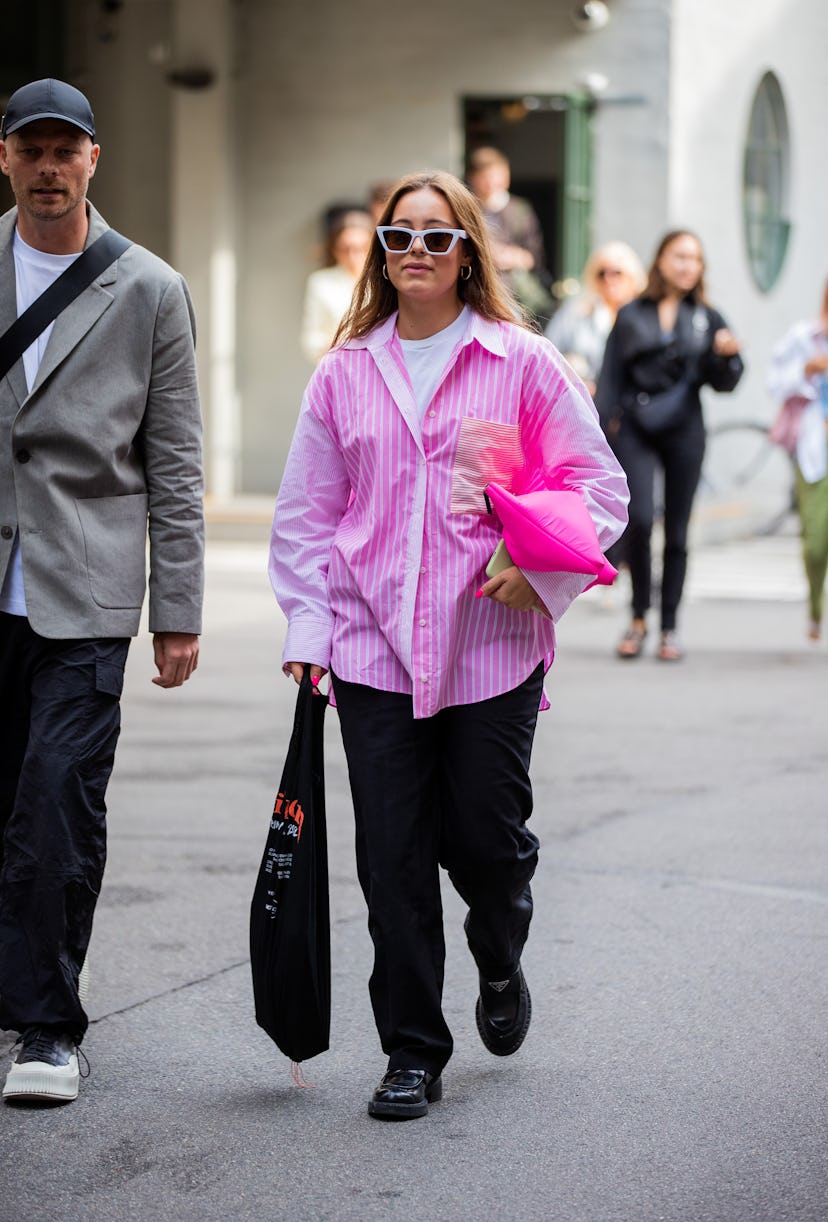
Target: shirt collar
x=486, y=331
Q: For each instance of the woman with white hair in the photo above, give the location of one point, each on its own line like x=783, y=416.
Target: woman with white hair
x=612, y=276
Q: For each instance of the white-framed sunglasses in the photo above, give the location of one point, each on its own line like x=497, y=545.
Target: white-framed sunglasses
x=398, y=241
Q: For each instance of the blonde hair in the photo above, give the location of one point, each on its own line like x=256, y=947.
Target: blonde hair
x=620, y=255
x=375, y=297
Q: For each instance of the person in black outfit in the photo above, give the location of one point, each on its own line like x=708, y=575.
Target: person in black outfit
x=667, y=335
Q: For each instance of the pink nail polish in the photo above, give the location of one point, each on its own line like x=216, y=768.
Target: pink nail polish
x=479, y=594
x=315, y=680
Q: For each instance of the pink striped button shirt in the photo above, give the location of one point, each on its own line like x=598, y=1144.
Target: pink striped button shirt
x=381, y=534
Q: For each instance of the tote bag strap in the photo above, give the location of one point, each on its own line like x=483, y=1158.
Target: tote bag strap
x=69, y=285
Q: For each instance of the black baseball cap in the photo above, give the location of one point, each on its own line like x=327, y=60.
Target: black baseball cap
x=48, y=99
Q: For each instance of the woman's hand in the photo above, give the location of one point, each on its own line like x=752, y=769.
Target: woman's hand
x=511, y=588
x=297, y=670
x=816, y=366
x=725, y=343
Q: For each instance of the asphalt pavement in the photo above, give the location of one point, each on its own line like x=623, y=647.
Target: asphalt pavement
x=676, y=1064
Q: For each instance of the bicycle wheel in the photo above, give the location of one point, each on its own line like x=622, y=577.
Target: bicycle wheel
x=746, y=477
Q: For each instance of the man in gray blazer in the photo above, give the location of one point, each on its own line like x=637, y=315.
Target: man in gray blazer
x=100, y=446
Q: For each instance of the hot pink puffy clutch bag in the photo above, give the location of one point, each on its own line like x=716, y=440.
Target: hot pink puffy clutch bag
x=550, y=531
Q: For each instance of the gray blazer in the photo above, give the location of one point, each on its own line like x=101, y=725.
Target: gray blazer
x=107, y=445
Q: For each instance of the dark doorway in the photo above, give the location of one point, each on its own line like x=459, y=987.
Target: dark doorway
x=29, y=49
x=548, y=145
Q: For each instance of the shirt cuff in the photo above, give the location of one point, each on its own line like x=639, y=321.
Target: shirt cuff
x=308, y=640
x=557, y=591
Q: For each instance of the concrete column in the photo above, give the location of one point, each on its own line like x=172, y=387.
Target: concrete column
x=203, y=189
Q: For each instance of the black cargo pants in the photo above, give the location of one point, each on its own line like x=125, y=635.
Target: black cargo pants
x=60, y=724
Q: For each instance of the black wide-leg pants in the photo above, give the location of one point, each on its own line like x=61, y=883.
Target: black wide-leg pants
x=450, y=790
x=61, y=720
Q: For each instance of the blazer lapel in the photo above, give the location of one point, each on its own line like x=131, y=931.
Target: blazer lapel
x=70, y=327
x=72, y=324
x=8, y=298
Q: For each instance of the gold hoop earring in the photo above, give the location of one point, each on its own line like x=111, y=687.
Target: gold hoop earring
x=385, y=271
x=467, y=269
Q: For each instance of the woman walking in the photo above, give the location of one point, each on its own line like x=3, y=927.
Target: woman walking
x=798, y=380
x=664, y=346
x=380, y=542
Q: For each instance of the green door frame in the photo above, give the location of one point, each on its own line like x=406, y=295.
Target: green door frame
x=576, y=210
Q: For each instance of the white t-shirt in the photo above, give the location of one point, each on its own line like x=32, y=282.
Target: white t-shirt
x=425, y=359
x=34, y=272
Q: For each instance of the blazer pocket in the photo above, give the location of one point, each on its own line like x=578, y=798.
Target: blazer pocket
x=115, y=539
x=487, y=452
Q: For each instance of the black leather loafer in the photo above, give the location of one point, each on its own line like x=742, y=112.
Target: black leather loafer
x=404, y=1094
x=503, y=1015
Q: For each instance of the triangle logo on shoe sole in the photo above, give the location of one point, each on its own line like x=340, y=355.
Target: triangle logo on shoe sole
x=497, y=985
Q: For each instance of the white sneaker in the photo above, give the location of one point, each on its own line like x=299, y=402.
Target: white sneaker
x=46, y=1068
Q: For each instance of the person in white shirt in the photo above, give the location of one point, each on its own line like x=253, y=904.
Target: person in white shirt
x=328, y=291
x=798, y=381
x=100, y=452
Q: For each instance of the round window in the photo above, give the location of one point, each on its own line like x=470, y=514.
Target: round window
x=766, y=183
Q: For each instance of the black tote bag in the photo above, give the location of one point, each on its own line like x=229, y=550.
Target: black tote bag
x=290, y=939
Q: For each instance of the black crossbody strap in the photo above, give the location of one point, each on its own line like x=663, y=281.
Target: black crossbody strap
x=70, y=284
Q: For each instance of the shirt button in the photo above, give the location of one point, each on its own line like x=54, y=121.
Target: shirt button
x=425, y=678
x=8, y=533
x=432, y=413
x=22, y=455
x=5, y=528
x=423, y=569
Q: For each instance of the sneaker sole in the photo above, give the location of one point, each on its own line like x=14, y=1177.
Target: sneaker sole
x=48, y=1083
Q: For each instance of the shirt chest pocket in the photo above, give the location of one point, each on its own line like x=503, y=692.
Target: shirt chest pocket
x=486, y=452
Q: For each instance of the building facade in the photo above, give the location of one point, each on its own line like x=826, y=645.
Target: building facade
x=228, y=127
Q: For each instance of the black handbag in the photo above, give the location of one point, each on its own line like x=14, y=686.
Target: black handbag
x=656, y=413
x=290, y=941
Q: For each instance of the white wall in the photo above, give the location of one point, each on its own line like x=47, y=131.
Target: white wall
x=111, y=61
x=632, y=124
x=720, y=53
